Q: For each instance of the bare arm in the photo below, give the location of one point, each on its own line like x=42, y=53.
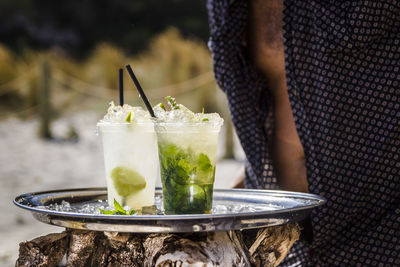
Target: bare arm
x=266, y=49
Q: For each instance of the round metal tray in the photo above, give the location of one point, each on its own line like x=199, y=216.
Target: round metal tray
x=233, y=209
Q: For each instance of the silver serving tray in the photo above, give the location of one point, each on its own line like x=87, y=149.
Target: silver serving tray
x=262, y=208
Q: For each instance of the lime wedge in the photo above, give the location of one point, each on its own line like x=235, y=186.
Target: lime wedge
x=129, y=117
x=127, y=181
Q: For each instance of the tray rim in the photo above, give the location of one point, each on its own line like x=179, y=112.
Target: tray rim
x=278, y=193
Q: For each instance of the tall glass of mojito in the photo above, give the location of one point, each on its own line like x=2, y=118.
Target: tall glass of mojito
x=187, y=146
x=130, y=156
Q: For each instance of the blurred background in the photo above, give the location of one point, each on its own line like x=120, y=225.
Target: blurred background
x=59, y=65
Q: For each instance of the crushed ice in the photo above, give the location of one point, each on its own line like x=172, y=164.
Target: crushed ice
x=220, y=207
x=181, y=114
x=118, y=114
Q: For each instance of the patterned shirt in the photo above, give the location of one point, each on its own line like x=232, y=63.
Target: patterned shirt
x=343, y=78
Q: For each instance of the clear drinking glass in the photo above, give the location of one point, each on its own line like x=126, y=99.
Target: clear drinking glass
x=131, y=162
x=187, y=153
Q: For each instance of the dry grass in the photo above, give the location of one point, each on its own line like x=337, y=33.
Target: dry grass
x=169, y=60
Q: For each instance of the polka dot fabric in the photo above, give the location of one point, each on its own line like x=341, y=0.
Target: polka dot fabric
x=343, y=77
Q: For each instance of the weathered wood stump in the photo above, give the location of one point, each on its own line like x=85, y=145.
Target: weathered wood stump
x=261, y=247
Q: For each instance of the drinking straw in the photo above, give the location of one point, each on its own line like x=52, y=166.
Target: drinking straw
x=121, y=86
x=139, y=88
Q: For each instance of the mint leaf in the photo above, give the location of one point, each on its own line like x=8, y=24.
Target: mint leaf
x=107, y=212
x=119, y=208
x=186, y=166
x=132, y=212
x=176, y=163
x=205, y=119
x=204, y=162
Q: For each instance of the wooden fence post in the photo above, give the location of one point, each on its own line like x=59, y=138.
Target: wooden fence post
x=229, y=144
x=44, y=100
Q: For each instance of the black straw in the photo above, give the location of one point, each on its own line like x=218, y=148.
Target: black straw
x=121, y=86
x=139, y=88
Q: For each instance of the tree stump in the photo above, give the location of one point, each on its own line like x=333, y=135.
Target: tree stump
x=260, y=247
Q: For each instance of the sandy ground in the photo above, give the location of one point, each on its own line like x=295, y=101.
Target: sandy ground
x=28, y=164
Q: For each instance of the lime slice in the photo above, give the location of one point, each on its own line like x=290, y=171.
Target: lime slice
x=127, y=181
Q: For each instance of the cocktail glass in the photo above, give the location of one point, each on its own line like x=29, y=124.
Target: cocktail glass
x=131, y=162
x=187, y=153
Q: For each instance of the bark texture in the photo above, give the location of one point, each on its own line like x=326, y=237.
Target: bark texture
x=43, y=251
x=262, y=247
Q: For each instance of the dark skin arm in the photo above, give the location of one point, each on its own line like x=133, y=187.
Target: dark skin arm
x=265, y=45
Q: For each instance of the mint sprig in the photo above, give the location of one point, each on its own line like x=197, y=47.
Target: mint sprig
x=172, y=102
x=119, y=210
x=187, y=178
